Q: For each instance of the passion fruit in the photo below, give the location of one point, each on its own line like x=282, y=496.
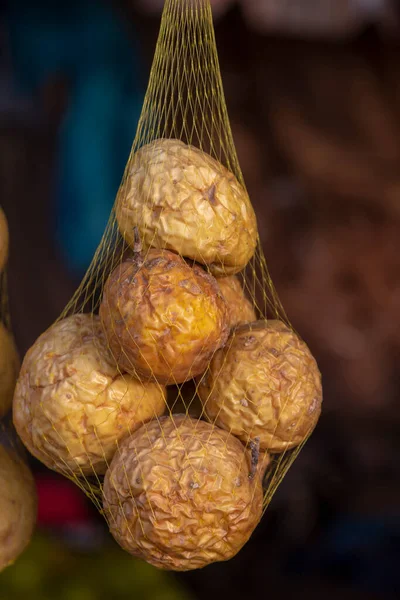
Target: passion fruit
x=181, y=494
x=72, y=407
x=264, y=383
x=4, y=240
x=18, y=506
x=9, y=367
x=184, y=200
x=240, y=308
x=163, y=318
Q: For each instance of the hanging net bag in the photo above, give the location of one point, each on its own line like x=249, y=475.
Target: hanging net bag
x=18, y=499
x=173, y=389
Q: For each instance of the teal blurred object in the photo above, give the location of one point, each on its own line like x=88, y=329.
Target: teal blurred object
x=50, y=571
x=88, y=43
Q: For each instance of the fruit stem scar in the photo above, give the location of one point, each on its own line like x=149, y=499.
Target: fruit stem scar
x=137, y=247
x=211, y=194
x=255, y=454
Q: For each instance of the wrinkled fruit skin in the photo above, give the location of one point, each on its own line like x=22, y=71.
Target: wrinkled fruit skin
x=163, y=319
x=264, y=383
x=18, y=506
x=183, y=200
x=240, y=308
x=178, y=494
x=264, y=464
x=71, y=405
x=9, y=367
x=4, y=240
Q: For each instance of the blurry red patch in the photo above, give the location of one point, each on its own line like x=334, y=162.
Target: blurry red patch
x=60, y=502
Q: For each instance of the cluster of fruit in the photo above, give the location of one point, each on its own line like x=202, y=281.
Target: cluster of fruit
x=17, y=489
x=179, y=492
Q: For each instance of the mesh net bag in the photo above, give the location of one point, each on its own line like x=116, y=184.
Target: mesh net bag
x=173, y=389
x=18, y=500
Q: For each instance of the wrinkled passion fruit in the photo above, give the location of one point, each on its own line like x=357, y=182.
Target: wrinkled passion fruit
x=184, y=200
x=9, y=367
x=163, y=318
x=264, y=383
x=4, y=240
x=18, y=506
x=240, y=308
x=180, y=494
x=71, y=405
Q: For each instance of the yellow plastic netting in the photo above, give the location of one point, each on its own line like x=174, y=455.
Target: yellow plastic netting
x=172, y=389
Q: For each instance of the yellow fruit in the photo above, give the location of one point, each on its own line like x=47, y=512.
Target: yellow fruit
x=4, y=240
x=264, y=383
x=163, y=319
x=183, y=200
x=9, y=367
x=71, y=405
x=264, y=464
x=239, y=307
x=18, y=506
x=178, y=494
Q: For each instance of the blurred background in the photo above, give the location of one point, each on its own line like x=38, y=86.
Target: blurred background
x=313, y=93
